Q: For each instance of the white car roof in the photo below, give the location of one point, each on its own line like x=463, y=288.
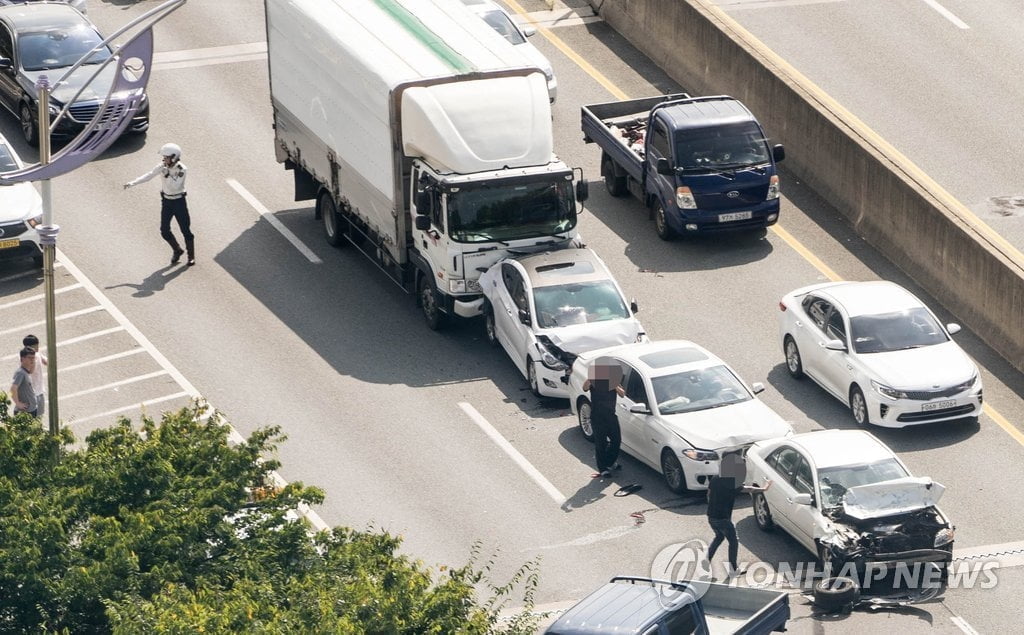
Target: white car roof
x=833, y=448
x=691, y=356
x=871, y=298
x=557, y=267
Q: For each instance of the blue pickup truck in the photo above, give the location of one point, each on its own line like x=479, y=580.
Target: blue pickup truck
x=699, y=164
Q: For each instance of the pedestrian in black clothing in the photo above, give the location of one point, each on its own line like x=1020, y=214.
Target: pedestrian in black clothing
x=172, y=201
x=722, y=491
x=603, y=384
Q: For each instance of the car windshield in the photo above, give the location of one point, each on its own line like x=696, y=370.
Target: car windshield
x=578, y=303
x=511, y=211
x=722, y=147
x=501, y=23
x=58, y=48
x=698, y=389
x=897, y=331
x=836, y=481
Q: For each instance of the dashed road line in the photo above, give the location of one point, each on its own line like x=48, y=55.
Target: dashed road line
x=962, y=624
x=115, y=384
x=266, y=215
x=102, y=360
x=946, y=13
x=59, y=318
x=135, y=406
x=40, y=296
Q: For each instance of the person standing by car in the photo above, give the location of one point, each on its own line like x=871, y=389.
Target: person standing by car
x=38, y=375
x=172, y=203
x=722, y=490
x=23, y=394
x=604, y=385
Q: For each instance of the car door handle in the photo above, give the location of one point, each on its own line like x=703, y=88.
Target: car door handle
x=799, y=324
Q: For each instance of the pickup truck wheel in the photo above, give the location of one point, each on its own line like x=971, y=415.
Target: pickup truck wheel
x=616, y=185
x=583, y=413
x=794, y=364
x=762, y=515
x=832, y=594
x=29, y=129
x=672, y=469
x=428, y=303
x=333, y=223
x=859, y=407
x=665, y=232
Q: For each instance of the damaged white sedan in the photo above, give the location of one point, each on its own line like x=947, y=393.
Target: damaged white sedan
x=545, y=309
x=846, y=497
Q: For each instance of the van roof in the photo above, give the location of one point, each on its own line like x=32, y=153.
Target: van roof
x=701, y=112
x=620, y=607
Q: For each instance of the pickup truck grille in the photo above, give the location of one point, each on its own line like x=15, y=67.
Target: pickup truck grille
x=744, y=199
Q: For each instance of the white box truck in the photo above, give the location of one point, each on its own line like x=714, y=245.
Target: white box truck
x=423, y=136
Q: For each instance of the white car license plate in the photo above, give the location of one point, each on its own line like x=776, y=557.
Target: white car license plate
x=725, y=218
x=938, y=405
x=9, y=243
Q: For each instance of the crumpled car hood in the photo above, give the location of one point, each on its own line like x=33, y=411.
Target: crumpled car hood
x=728, y=427
x=889, y=498
x=580, y=338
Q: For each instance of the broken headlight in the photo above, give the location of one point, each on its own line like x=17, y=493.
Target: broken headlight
x=700, y=455
x=944, y=537
x=549, y=358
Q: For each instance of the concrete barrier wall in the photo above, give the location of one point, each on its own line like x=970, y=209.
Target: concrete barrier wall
x=972, y=271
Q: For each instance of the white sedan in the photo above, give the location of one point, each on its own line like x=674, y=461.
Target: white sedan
x=878, y=349
x=683, y=408
x=846, y=497
x=21, y=211
x=545, y=309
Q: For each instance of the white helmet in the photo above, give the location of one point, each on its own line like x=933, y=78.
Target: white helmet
x=171, y=150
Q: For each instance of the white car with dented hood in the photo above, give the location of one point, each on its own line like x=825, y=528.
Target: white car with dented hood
x=847, y=498
x=880, y=350
x=683, y=409
x=547, y=308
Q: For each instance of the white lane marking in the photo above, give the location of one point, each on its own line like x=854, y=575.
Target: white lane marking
x=767, y=4
x=601, y=536
x=270, y=218
x=40, y=296
x=962, y=624
x=513, y=453
x=164, y=363
x=946, y=13
x=122, y=409
x=563, y=16
x=25, y=274
x=114, y=384
x=188, y=58
x=74, y=340
x=63, y=316
x=101, y=360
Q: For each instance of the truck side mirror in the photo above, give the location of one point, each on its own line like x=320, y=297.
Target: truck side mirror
x=582, y=191
x=524, y=316
x=5, y=63
x=663, y=167
x=778, y=152
x=423, y=200
x=422, y=222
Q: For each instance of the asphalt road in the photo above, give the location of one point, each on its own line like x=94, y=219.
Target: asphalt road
x=393, y=420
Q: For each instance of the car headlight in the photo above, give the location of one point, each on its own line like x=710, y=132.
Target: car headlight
x=967, y=385
x=944, y=536
x=457, y=286
x=549, y=359
x=684, y=198
x=35, y=221
x=700, y=455
x=773, y=188
x=886, y=391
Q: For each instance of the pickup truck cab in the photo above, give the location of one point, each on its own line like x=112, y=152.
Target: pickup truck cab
x=699, y=164
x=644, y=606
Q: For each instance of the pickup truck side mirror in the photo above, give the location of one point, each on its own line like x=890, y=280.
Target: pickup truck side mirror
x=640, y=409
x=524, y=316
x=633, y=306
x=422, y=222
x=778, y=152
x=582, y=191
x=757, y=387
x=663, y=167
x=835, y=345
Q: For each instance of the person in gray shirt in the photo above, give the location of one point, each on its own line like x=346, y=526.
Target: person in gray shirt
x=22, y=391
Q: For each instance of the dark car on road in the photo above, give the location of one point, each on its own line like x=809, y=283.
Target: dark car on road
x=47, y=38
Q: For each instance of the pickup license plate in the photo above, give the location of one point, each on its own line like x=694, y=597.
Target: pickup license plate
x=725, y=218
x=9, y=243
x=938, y=405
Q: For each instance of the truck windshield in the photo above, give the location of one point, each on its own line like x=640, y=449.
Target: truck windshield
x=511, y=211
x=722, y=147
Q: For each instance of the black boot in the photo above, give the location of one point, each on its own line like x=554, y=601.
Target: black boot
x=176, y=253
x=190, y=244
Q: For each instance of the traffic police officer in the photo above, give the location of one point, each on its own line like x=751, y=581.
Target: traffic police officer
x=172, y=204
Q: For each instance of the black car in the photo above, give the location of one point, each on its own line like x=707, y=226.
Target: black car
x=46, y=38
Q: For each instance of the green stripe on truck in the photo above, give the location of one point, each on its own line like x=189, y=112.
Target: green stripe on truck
x=425, y=35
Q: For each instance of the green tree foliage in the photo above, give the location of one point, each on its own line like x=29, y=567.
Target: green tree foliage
x=171, y=529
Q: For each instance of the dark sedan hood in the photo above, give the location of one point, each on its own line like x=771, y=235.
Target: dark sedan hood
x=97, y=89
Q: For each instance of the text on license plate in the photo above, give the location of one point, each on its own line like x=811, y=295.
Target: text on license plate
x=938, y=405
x=725, y=218
x=11, y=242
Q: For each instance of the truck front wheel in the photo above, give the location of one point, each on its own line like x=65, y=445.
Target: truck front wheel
x=333, y=222
x=665, y=231
x=432, y=314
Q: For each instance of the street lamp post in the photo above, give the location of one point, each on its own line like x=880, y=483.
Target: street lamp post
x=48, y=237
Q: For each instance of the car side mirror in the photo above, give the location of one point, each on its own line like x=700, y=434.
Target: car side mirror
x=640, y=409
x=633, y=306
x=524, y=316
x=5, y=63
x=835, y=345
x=778, y=152
x=802, y=499
x=663, y=167
x=757, y=387
x=953, y=328
x=582, y=191
x=422, y=222
x=529, y=30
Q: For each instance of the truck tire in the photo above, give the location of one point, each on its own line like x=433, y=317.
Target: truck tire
x=832, y=594
x=616, y=185
x=665, y=232
x=333, y=223
x=427, y=297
